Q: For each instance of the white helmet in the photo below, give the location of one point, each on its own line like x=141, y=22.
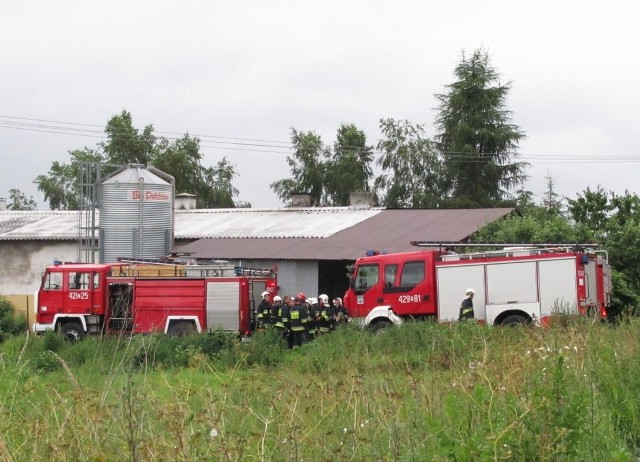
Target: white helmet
x=277, y=298
x=265, y=293
x=324, y=298
x=312, y=301
x=470, y=292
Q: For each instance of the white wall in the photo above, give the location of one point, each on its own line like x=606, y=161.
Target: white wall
x=22, y=263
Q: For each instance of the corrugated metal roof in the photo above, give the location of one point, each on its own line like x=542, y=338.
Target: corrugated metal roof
x=268, y=223
x=194, y=224
x=332, y=233
x=38, y=225
x=389, y=231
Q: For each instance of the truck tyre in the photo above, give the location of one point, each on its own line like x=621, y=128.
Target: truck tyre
x=182, y=328
x=73, y=331
x=515, y=320
x=380, y=326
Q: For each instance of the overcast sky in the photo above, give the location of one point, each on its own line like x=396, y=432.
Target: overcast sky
x=236, y=71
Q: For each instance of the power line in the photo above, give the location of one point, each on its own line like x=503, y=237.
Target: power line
x=281, y=147
x=62, y=127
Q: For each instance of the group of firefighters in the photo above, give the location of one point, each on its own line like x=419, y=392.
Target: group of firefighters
x=300, y=319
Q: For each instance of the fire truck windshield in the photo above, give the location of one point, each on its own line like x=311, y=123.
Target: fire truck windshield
x=366, y=277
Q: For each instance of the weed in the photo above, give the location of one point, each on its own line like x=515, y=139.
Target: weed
x=421, y=391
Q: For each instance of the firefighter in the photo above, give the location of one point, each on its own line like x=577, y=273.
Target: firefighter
x=264, y=311
x=326, y=314
x=314, y=317
x=276, y=308
x=286, y=319
x=281, y=312
x=341, y=315
x=466, y=307
x=298, y=319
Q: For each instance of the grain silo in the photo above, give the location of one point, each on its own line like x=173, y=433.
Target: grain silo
x=136, y=215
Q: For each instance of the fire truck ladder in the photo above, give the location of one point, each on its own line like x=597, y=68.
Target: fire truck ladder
x=506, y=249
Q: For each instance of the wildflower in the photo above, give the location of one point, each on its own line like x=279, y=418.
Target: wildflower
x=213, y=433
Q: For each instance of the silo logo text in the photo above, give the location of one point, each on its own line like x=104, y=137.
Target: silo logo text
x=150, y=196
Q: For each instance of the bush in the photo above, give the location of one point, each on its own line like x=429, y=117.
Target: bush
x=185, y=351
x=53, y=341
x=46, y=362
x=9, y=323
x=266, y=348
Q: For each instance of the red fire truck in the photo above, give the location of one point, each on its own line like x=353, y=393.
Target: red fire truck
x=78, y=299
x=518, y=284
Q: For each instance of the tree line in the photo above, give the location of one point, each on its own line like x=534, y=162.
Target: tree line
x=472, y=161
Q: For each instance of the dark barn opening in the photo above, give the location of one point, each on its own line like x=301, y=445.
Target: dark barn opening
x=332, y=277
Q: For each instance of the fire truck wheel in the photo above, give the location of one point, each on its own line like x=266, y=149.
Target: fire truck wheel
x=180, y=329
x=515, y=320
x=73, y=331
x=380, y=326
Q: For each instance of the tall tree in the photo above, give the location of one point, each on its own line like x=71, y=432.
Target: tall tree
x=476, y=137
x=349, y=170
x=307, y=165
x=411, y=169
x=19, y=201
x=551, y=200
x=60, y=186
x=125, y=143
x=221, y=191
x=182, y=159
x=591, y=210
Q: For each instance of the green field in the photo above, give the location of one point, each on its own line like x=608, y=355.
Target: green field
x=413, y=393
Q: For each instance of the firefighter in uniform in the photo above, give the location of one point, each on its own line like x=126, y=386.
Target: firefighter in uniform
x=341, y=315
x=286, y=319
x=298, y=319
x=276, y=307
x=264, y=311
x=281, y=312
x=314, y=317
x=466, y=307
x=326, y=314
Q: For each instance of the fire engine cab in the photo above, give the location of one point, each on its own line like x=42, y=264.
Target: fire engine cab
x=518, y=284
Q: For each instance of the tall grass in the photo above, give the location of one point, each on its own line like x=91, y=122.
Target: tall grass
x=417, y=392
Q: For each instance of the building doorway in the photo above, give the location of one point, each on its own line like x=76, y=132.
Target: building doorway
x=332, y=277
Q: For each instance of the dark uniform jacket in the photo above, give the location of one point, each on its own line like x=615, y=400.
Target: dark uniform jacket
x=466, y=309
